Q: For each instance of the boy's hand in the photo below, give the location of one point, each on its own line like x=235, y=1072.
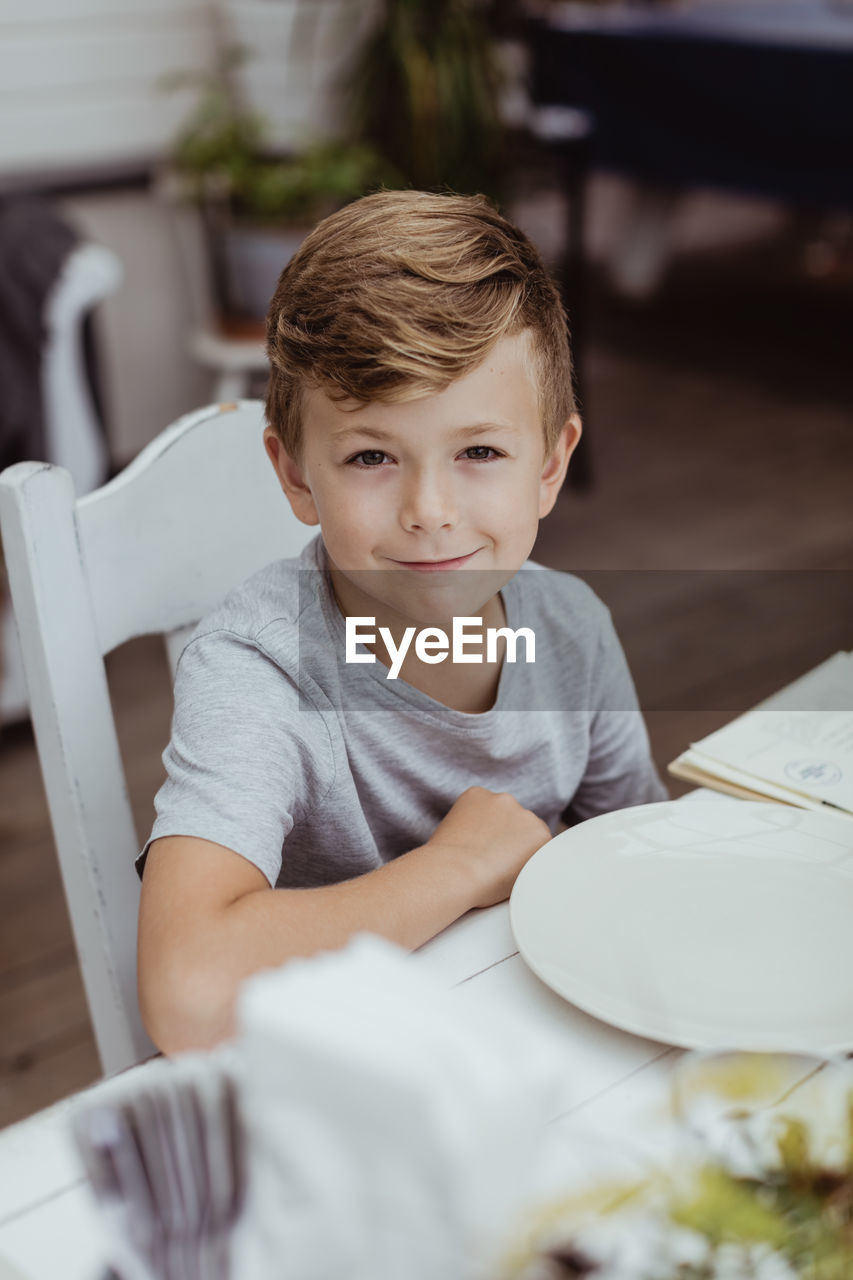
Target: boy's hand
x=494, y=835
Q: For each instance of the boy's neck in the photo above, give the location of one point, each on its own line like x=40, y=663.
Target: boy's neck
x=469, y=687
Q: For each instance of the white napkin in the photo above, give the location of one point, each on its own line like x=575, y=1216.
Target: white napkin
x=389, y=1134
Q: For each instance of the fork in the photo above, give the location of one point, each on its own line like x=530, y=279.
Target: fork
x=166, y=1163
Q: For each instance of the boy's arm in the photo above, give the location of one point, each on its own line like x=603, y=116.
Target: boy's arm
x=208, y=918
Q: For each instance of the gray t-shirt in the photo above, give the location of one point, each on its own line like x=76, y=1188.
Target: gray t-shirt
x=317, y=770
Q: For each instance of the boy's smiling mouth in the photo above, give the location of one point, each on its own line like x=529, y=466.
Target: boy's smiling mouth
x=433, y=566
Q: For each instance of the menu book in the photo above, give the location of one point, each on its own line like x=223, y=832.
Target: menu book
x=796, y=747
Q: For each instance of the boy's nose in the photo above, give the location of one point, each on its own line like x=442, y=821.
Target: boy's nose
x=428, y=504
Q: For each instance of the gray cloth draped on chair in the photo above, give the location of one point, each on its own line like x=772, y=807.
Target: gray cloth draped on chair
x=34, y=243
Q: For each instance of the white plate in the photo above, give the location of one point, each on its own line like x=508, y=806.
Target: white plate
x=707, y=925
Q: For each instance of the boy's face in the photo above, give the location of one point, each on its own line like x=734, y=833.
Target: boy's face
x=428, y=507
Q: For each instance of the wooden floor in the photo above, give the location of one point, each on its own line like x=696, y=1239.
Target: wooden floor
x=719, y=530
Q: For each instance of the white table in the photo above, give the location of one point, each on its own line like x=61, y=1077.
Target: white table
x=48, y=1223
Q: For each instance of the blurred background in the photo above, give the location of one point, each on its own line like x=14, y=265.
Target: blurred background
x=686, y=168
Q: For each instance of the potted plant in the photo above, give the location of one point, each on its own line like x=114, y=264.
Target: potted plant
x=758, y=1185
x=420, y=98
x=424, y=92
x=258, y=205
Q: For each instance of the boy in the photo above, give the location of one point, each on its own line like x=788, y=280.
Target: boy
x=421, y=413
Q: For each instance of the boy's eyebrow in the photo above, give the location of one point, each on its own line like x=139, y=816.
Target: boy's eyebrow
x=462, y=433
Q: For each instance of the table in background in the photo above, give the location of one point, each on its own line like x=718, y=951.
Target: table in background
x=749, y=96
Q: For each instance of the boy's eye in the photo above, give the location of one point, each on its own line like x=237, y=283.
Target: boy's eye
x=369, y=457
x=481, y=453
x=373, y=458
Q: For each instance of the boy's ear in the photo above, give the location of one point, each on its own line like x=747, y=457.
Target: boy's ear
x=557, y=462
x=291, y=479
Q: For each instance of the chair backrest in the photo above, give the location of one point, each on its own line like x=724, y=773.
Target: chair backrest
x=73, y=438
x=151, y=551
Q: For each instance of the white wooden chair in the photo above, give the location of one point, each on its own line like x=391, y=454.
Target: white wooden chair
x=73, y=438
x=151, y=551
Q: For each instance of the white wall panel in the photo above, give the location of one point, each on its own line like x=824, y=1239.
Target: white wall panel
x=53, y=62
x=80, y=79
x=100, y=130
x=300, y=52
x=26, y=12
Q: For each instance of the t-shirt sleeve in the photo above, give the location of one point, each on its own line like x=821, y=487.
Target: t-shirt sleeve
x=248, y=757
x=620, y=771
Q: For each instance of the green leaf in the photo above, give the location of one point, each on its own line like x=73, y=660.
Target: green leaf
x=726, y=1210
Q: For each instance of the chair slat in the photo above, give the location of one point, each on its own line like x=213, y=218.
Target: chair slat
x=78, y=747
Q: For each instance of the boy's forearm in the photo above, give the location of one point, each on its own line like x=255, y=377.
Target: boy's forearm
x=195, y=951
x=408, y=901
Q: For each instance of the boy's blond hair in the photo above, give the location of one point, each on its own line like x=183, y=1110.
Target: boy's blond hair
x=402, y=292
